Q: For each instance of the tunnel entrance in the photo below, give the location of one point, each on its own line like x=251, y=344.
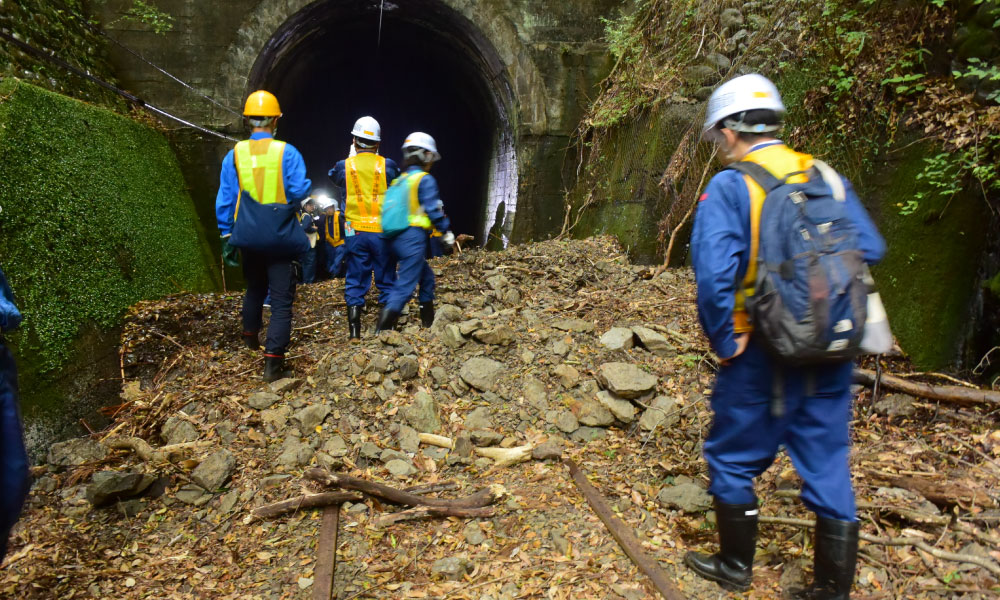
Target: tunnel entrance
x=427, y=69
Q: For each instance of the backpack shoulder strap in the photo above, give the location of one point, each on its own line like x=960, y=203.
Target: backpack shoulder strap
x=759, y=174
x=832, y=179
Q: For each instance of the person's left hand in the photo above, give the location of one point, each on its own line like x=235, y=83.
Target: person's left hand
x=741, y=346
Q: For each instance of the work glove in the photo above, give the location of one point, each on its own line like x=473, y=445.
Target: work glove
x=448, y=240
x=230, y=255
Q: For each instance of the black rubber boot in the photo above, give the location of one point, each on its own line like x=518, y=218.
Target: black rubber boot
x=835, y=561
x=426, y=314
x=386, y=320
x=274, y=367
x=251, y=340
x=732, y=566
x=354, y=321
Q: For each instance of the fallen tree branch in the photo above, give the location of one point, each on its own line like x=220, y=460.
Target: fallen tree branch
x=624, y=536
x=147, y=453
x=944, y=393
x=942, y=493
x=426, y=512
x=437, y=440
x=432, y=488
x=985, y=563
x=483, y=497
x=301, y=503
x=507, y=456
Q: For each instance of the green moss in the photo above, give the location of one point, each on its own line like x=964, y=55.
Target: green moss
x=95, y=218
x=929, y=275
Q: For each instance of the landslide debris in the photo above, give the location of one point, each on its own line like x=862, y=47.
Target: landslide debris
x=548, y=350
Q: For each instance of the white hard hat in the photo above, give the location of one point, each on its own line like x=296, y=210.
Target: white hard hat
x=324, y=202
x=367, y=128
x=418, y=139
x=736, y=96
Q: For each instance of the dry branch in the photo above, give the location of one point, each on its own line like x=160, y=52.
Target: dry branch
x=426, y=512
x=483, y=497
x=624, y=536
x=437, y=440
x=147, y=453
x=322, y=500
x=942, y=493
x=944, y=393
x=433, y=488
x=507, y=456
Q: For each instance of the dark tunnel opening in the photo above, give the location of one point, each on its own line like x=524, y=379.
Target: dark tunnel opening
x=432, y=71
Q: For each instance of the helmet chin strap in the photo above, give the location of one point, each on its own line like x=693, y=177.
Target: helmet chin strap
x=739, y=125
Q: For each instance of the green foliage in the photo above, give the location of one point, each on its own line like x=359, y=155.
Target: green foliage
x=148, y=14
x=95, y=218
x=980, y=71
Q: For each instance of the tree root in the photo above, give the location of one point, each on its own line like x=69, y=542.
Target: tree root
x=483, y=497
x=147, y=453
x=301, y=503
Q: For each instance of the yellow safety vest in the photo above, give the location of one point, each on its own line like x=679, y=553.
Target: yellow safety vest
x=333, y=235
x=779, y=160
x=417, y=218
x=365, y=175
x=259, y=170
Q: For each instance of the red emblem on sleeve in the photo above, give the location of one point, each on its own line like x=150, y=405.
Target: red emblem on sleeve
x=703, y=198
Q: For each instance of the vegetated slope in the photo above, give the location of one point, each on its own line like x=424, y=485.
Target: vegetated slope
x=516, y=357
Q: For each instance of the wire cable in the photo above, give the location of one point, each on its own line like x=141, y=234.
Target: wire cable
x=51, y=57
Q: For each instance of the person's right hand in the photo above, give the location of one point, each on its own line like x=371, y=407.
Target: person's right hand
x=230, y=255
x=741, y=346
x=448, y=239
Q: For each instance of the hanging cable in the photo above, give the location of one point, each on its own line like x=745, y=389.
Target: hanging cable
x=381, y=10
x=108, y=86
x=100, y=31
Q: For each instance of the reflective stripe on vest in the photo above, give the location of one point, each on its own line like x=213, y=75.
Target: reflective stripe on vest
x=259, y=170
x=779, y=160
x=333, y=235
x=366, y=185
x=417, y=217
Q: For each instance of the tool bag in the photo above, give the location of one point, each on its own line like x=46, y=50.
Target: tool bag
x=269, y=228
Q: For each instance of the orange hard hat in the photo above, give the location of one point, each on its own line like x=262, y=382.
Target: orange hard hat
x=262, y=104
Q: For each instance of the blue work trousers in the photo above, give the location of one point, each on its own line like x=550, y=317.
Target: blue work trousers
x=814, y=430
x=308, y=261
x=335, y=260
x=267, y=273
x=14, y=480
x=367, y=255
x=409, y=250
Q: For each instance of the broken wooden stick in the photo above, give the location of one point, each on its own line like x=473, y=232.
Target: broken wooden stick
x=483, y=497
x=624, y=536
x=433, y=488
x=941, y=493
x=147, y=453
x=507, y=456
x=298, y=503
x=437, y=440
x=326, y=554
x=426, y=512
x=945, y=393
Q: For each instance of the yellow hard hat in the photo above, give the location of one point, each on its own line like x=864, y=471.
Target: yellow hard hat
x=262, y=104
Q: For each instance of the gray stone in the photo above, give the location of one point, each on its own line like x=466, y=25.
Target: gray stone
x=688, y=497
x=435, y=453
x=439, y=375
x=228, y=502
x=422, y=414
x=481, y=373
x=453, y=568
x=700, y=75
x=479, y=418
x=408, y=368
x=661, y=413
x=76, y=452
x=215, y=471
x=262, y=400
x=618, y=338
x=335, y=447
x=130, y=508
x=389, y=454
x=380, y=363
x=483, y=463
x=560, y=542
x=178, y=431
x=731, y=18
x=626, y=380
x=566, y=421
x=107, y=487
x=535, y=394
x=567, y=374
x=391, y=338
x=470, y=326
x=560, y=348
x=497, y=282
x=285, y=385
x=592, y=414
x=474, y=534
x=400, y=468
x=463, y=446
x=588, y=434
x=485, y=437
x=311, y=416
x=373, y=378
x=273, y=481
x=295, y=453
x=409, y=439
x=370, y=450
x=704, y=93
x=654, y=341
x=623, y=410
x=574, y=325
x=895, y=405
x=225, y=432
x=528, y=357
x=276, y=418
x=451, y=336
x=547, y=451
x=719, y=61
x=45, y=485
x=501, y=335
x=192, y=494
x=445, y=314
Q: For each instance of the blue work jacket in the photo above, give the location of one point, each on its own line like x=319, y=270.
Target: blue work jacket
x=720, y=250
x=10, y=317
x=293, y=168
x=338, y=175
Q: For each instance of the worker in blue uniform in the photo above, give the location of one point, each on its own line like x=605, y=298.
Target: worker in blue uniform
x=262, y=185
x=410, y=247
x=333, y=228
x=361, y=181
x=14, y=480
x=744, y=116
x=309, y=218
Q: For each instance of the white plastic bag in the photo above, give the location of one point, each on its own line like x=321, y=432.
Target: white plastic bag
x=877, y=337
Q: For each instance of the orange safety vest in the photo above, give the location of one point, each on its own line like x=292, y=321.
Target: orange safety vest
x=366, y=185
x=333, y=234
x=779, y=160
